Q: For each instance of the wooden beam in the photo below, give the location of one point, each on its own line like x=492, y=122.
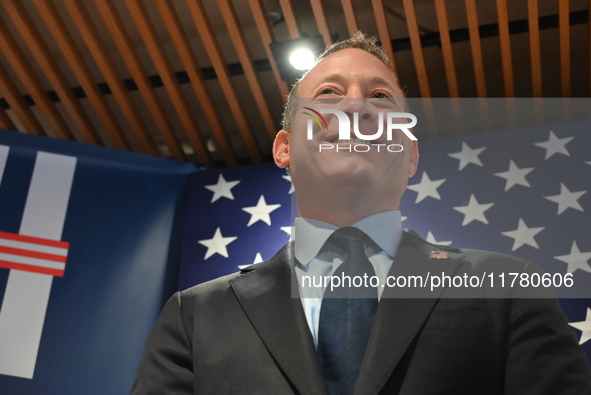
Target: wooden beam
x=456, y=108
x=448, y=57
x=534, y=45
x=505, y=40
x=350, y=17
x=187, y=56
x=140, y=77
x=233, y=25
x=506, y=58
x=564, y=33
x=475, y=41
x=321, y=22
x=5, y=121
x=212, y=48
x=47, y=63
x=383, y=31
x=417, y=51
x=290, y=19
x=22, y=67
x=450, y=69
x=476, y=48
x=18, y=105
x=417, y=48
x=179, y=102
x=266, y=34
x=62, y=37
x=107, y=67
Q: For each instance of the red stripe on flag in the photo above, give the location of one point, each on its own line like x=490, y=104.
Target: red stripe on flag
x=34, y=240
x=33, y=254
x=30, y=268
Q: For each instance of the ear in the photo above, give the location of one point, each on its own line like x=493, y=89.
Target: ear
x=414, y=158
x=282, y=149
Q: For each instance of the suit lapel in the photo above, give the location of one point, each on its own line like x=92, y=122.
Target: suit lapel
x=279, y=319
x=399, y=319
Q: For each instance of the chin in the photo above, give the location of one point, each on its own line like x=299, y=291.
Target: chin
x=359, y=176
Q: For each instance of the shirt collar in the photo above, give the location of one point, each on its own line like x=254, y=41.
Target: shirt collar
x=385, y=229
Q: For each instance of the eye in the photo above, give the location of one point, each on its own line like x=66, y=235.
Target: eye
x=380, y=95
x=327, y=91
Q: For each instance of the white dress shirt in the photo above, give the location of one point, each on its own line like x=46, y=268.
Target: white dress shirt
x=385, y=229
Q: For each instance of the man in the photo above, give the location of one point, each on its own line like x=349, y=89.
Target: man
x=245, y=333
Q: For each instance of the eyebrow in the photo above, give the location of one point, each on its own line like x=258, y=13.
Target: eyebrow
x=331, y=77
x=377, y=80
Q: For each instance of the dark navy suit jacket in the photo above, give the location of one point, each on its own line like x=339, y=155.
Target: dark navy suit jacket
x=245, y=334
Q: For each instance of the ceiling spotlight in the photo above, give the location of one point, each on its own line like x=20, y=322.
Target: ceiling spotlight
x=293, y=57
x=302, y=59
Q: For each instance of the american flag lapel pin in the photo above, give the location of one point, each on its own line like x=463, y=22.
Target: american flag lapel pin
x=438, y=255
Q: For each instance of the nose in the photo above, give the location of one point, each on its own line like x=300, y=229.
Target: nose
x=357, y=105
x=354, y=91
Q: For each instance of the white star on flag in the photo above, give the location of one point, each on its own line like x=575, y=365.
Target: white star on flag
x=515, y=175
x=431, y=239
x=554, y=145
x=288, y=178
x=261, y=211
x=468, y=155
x=217, y=244
x=567, y=199
x=222, y=188
x=286, y=229
x=474, y=211
x=576, y=259
x=257, y=259
x=584, y=327
x=523, y=235
x=427, y=188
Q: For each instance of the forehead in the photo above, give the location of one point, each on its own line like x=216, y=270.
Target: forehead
x=347, y=66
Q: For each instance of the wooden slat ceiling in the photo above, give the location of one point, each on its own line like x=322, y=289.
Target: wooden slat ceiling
x=195, y=80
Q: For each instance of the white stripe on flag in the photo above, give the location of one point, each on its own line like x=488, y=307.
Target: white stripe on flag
x=3, y=157
x=33, y=247
x=25, y=300
x=32, y=261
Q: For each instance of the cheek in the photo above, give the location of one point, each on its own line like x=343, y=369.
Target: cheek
x=399, y=163
x=300, y=126
x=302, y=158
x=398, y=137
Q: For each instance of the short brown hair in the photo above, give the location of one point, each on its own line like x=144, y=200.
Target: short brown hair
x=358, y=40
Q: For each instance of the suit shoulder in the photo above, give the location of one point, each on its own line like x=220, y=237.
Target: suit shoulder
x=223, y=284
x=220, y=284
x=490, y=260
x=484, y=255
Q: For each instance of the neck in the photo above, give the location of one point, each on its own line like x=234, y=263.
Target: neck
x=343, y=213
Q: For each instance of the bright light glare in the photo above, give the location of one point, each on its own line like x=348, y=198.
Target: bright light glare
x=302, y=59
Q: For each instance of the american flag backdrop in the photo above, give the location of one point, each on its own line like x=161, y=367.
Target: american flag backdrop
x=524, y=192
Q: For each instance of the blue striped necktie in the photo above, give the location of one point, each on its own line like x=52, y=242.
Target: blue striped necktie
x=346, y=316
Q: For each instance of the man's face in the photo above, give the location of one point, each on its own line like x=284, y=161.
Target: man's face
x=338, y=82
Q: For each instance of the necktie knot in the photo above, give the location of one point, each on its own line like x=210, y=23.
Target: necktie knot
x=355, y=248
x=356, y=268
x=343, y=236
